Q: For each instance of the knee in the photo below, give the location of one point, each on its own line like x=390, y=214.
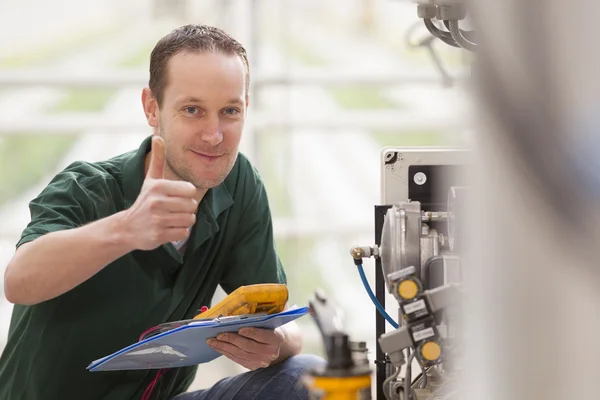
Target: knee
x=289, y=376
x=302, y=363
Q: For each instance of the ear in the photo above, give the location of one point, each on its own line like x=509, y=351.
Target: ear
x=150, y=107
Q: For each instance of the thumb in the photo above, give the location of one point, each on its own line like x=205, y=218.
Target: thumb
x=156, y=169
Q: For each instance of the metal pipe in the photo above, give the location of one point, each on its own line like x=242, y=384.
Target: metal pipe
x=430, y=216
x=460, y=38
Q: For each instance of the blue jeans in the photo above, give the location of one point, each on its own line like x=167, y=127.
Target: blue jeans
x=280, y=381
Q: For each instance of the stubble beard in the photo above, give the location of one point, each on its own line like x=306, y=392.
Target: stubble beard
x=183, y=171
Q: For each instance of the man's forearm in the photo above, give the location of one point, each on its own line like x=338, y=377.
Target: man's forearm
x=292, y=345
x=59, y=261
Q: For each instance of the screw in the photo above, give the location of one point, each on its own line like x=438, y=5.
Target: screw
x=420, y=178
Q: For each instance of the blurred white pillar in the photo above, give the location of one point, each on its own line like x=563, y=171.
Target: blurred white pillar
x=533, y=323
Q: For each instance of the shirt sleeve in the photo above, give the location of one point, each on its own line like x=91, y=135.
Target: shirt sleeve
x=64, y=204
x=254, y=258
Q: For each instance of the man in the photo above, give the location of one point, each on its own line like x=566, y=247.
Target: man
x=119, y=246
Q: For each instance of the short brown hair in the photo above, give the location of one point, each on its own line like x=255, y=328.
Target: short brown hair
x=191, y=38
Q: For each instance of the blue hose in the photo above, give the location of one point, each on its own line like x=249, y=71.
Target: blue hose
x=374, y=299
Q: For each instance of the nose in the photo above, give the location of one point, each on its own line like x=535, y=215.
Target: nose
x=212, y=132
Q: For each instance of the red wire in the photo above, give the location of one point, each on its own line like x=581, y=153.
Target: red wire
x=146, y=332
x=161, y=372
x=152, y=385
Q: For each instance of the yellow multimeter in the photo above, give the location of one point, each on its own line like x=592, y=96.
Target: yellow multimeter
x=267, y=298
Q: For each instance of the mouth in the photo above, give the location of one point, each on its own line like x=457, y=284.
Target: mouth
x=209, y=157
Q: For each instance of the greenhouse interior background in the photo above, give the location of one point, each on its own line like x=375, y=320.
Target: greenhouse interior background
x=333, y=83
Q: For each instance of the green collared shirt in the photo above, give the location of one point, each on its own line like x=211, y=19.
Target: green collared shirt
x=51, y=344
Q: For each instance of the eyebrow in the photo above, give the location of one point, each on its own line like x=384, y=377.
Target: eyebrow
x=193, y=99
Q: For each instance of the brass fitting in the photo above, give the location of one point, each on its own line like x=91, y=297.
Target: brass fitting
x=358, y=253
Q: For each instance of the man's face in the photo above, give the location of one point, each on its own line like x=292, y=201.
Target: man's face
x=202, y=116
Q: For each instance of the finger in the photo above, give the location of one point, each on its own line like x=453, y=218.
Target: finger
x=156, y=169
x=174, y=234
x=170, y=204
x=231, y=349
x=179, y=220
x=266, y=336
x=175, y=188
x=250, y=361
x=251, y=365
x=245, y=344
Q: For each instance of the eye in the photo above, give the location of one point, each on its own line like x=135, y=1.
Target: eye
x=192, y=110
x=231, y=111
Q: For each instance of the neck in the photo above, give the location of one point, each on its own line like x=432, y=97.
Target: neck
x=170, y=175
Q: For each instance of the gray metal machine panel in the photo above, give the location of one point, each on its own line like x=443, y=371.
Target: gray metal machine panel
x=396, y=160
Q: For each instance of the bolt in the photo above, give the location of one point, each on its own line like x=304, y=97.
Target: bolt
x=420, y=178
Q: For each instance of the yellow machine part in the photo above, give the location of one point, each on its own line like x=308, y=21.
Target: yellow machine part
x=269, y=298
x=431, y=351
x=340, y=388
x=408, y=289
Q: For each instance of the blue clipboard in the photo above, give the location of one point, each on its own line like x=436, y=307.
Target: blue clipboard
x=186, y=345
